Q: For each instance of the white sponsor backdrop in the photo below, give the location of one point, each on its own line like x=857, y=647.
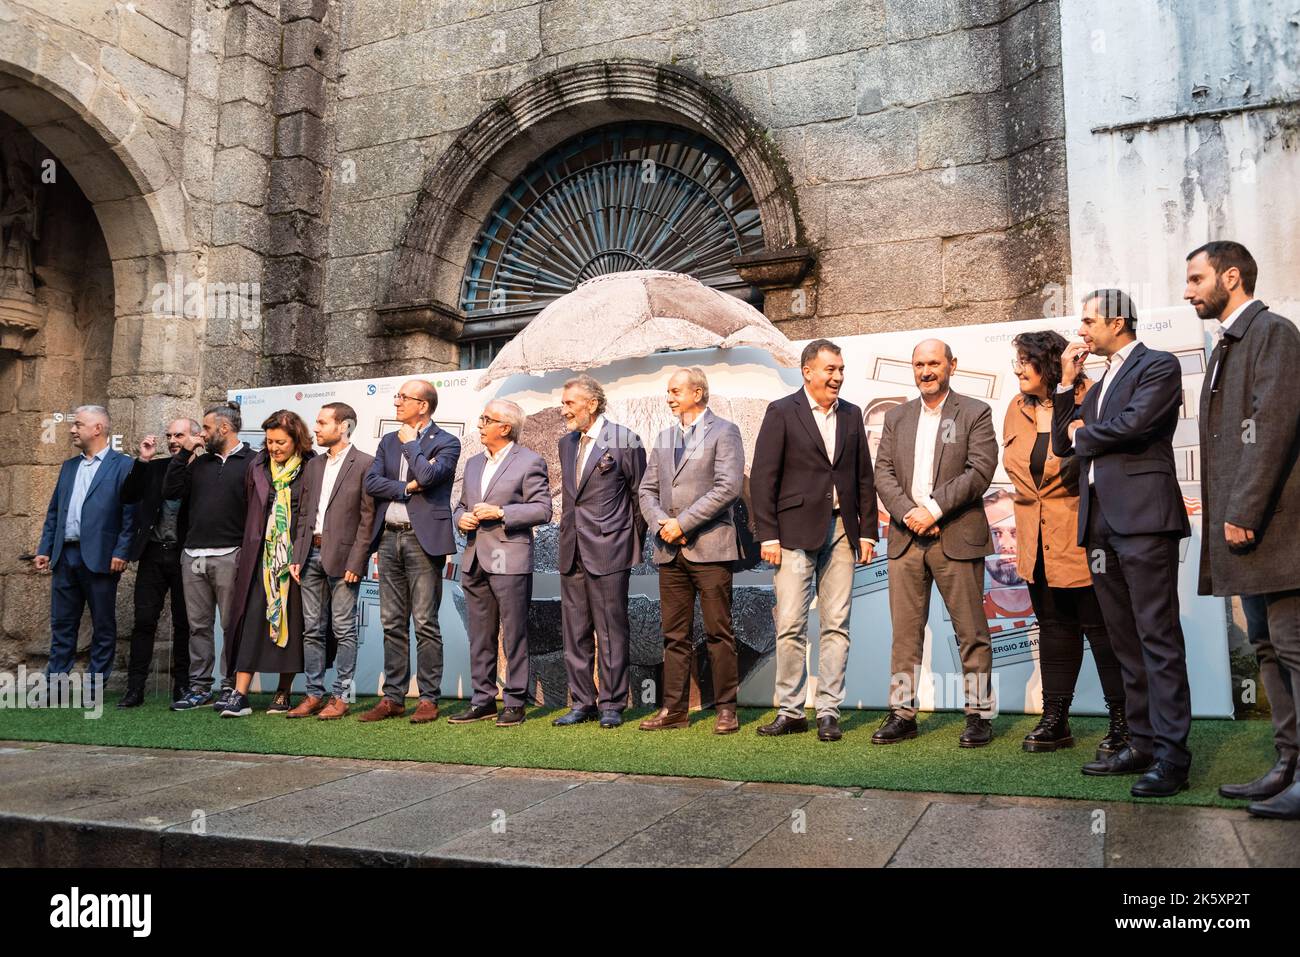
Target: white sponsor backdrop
x=878, y=378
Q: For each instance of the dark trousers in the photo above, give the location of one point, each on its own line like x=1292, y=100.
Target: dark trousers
x=158, y=577
x=1136, y=578
x=497, y=605
x=1276, y=639
x=1065, y=616
x=680, y=580
x=74, y=587
x=595, y=605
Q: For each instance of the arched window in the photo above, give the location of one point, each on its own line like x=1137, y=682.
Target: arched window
x=625, y=196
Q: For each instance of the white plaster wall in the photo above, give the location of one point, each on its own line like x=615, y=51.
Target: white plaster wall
x=1141, y=200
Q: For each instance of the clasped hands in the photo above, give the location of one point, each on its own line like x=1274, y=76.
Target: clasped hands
x=670, y=530
x=921, y=522
x=482, y=512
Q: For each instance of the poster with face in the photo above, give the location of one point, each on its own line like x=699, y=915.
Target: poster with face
x=742, y=380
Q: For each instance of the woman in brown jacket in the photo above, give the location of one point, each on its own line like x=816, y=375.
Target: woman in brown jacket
x=1048, y=558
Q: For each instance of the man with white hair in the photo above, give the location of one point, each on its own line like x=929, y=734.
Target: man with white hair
x=86, y=541
x=504, y=494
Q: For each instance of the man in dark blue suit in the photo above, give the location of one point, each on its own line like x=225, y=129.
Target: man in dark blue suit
x=1131, y=518
x=410, y=481
x=601, y=536
x=87, y=541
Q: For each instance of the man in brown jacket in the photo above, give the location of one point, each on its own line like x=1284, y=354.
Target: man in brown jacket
x=1250, y=488
x=331, y=549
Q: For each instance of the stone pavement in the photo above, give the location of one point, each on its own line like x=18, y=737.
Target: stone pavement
x=83, y=806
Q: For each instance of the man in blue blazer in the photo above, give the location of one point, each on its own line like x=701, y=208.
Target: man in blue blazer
x=504, y=494
x=410, y=481
x=1131, y=518
x=601, y=536
x=86, y=541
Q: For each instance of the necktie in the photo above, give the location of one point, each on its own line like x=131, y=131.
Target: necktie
x=680, y=449
x=584, y=444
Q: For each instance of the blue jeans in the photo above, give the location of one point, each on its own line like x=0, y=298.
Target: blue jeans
x=332, y=601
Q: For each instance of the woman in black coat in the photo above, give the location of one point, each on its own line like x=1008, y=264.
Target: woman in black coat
x=268, y=607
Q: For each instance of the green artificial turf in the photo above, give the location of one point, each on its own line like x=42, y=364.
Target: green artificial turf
x=1223, y=750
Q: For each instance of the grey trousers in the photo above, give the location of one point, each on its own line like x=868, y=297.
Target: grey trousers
x=328, y=604
x=410, y=587
x=961, y=585
x=1279, y=666
x=831, y=568
x=209, y=583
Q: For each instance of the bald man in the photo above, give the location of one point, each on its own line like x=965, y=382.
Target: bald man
x=937, y=458
x=160, y=528
x=85, y=542
x=410, y=481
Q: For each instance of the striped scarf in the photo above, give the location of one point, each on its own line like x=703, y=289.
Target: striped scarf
x=277, y=551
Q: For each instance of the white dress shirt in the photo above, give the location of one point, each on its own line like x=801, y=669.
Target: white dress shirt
x=493, y=463
x=584, y=447
x=1224, y=326
x=333, y=465
x=397, y=508
x=1113, y=365
x=927, y=435
x=199, y=552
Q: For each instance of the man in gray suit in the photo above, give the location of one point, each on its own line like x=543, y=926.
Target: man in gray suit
x=1250, y=489
x=601, y=535
x=504, y=494
x=937, y=458
x=693, y=478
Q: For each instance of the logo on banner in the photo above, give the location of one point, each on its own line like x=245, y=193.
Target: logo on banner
x=370, y=388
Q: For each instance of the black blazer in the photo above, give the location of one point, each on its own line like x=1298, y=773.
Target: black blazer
x=791, y=478
x=1129, y=440
x=144, y=485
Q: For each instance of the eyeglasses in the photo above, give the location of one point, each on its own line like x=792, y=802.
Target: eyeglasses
x=400, y=397
x=487, y=420
x=1020, y=365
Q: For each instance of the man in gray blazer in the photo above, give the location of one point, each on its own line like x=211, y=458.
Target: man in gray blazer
x=693, y=478
x=601, y=535
x=504, y=494
x=937, y=458
x=1250, y=489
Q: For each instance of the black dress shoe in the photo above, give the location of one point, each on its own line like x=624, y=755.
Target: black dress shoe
x=828, y=728
x=893, y=729
x=1163, y=780
x=575, y=716
x=979, y=732
x=510, y=717
x=479, y=712
x=133, y=698
x=1126, y=761
x=611, y=718
x=784, y=724
x=1282, y=807
x=1274, y=781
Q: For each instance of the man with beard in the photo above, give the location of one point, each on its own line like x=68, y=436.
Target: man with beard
x=1131, y=517
x=1250, y=442
x=1006, y=595
x=937, y=457
x=207, y=475
x=159, y=533
x=601, y=535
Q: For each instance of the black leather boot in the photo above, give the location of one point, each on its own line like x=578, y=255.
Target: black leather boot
x=1117, y=735
x=1053, y=729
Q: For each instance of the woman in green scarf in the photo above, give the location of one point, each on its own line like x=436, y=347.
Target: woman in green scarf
x=270, y=630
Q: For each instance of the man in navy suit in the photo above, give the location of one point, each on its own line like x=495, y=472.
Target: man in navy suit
x=601, y=536
x=504, y=494
x=410, y=481
x=1131, y=518
x=87, y=542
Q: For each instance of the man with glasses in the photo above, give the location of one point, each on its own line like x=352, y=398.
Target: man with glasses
x=410, y=481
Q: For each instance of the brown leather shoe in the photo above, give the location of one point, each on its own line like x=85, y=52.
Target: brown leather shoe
x=664, y=720
x=385, y=709
x=336, y=708
x=426, y=712
x=726, y=722
x=307, y=707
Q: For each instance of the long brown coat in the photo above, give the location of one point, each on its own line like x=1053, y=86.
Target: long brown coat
x=1051, y=511
x=1250, y=442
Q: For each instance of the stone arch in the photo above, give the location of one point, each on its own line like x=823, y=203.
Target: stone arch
x=484, y=159
x=100, y=136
